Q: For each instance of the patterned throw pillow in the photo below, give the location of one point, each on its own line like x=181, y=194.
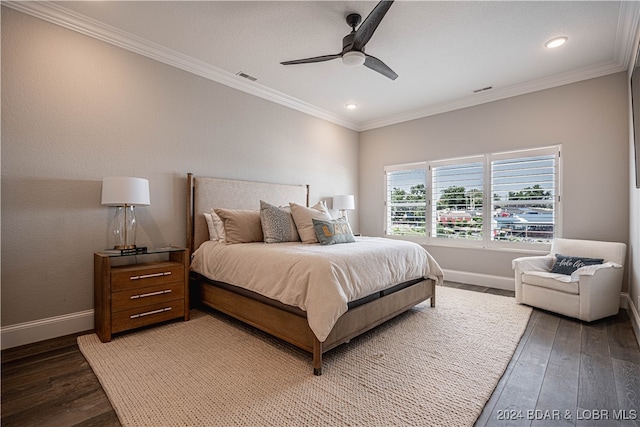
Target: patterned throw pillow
x=277, y=224
x=569, y=264
x=333, y=231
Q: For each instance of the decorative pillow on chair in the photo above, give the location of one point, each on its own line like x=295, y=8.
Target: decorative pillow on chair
x=333, y=231
x=568, y=264
x=304, y=216
x=277, y=224
x=241, y=226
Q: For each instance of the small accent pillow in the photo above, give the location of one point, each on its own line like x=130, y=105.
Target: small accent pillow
x=304, y=216
x=213, y=234
x=215, y=226
x=333, y=231
x=568, y=264
x=241, y=226
x=277, y=224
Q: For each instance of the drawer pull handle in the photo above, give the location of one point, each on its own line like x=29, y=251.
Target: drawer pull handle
x=147, y=276
x=148, y=313
x=150, y=294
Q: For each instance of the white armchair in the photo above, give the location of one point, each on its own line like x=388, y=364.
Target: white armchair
x=590, y=293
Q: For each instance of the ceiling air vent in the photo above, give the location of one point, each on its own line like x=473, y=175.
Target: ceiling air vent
x=246, y=76
x=484, y=89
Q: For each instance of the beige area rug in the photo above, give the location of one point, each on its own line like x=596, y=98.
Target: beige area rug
x=428, y=367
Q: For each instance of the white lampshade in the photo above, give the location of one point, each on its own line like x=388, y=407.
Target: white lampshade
x=344, y=202
x=125, y=190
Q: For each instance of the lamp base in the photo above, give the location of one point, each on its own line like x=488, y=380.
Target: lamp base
x=123, y=227
x=124, y=247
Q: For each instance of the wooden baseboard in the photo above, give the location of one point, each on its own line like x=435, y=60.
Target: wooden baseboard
x=44, y=329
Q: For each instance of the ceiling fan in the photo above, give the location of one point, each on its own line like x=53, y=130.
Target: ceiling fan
x=353, y=43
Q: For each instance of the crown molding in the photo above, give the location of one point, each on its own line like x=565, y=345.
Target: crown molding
x=66, y=18
x=499, y=94
x=628, y=23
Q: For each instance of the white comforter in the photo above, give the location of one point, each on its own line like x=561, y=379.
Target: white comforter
x=318, y=279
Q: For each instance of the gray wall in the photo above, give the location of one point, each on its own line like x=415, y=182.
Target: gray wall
x=75, y=109
x=589, y=119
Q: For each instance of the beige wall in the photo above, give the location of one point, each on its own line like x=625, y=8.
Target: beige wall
x=75, y=109
x=589, y=119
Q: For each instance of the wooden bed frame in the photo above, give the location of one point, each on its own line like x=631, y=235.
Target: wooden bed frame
x=270, y=316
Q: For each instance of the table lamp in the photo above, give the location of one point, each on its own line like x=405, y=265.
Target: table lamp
x=124, y=193
x=344, y=202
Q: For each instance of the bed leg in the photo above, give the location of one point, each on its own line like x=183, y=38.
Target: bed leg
x=317, y=357
x=433, y=297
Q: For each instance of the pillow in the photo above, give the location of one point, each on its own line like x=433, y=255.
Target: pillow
x=333, y=231
x=240, y=226
x=218, y=225
x=569, y=264
x=213, y=234
x=277, y=224
x=303, y=217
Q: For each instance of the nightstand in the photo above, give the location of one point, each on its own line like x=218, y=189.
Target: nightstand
x=131, y=291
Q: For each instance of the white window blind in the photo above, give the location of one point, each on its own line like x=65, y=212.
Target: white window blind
x=457, y=199
x=406, y=201
x=525, y=196
x=509, y=199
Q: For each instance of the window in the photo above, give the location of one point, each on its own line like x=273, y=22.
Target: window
x=501, y=199
x=406, y=200
x=457, y=199
x=524, y=196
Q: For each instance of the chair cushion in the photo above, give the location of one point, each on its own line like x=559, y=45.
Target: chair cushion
x=553, y=281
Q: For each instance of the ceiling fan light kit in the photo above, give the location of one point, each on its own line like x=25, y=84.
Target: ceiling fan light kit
x=353, y=58
x=353, y=43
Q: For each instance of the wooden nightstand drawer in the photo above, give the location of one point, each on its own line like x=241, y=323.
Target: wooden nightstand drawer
x=147, y=315
x=139, y=297
x=139, y=291
x=136, y=276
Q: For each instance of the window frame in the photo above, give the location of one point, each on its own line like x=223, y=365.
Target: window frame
x=487, y=160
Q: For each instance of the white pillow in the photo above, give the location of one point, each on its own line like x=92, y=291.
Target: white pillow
x=218, y=227
x=213, y=234
x=304, y=216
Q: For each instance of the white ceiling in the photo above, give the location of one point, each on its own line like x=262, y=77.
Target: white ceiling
x=442, y=51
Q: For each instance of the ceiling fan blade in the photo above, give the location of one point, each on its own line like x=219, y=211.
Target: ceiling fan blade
x=376, y=65
x=368, y=27
x=314, y=59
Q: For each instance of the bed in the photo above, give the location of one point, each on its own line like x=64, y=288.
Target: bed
x=313, y=296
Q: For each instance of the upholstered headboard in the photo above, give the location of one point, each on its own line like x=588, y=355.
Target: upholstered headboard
x=207, y=193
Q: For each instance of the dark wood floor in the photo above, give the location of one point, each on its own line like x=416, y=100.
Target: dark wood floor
x=561, y=367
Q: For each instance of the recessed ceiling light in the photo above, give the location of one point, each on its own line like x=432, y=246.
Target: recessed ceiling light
x=556, y=42
x=351, y=106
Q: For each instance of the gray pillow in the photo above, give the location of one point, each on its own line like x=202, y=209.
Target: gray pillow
x=277, y=224
x=333, y=231
x=569, y=264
